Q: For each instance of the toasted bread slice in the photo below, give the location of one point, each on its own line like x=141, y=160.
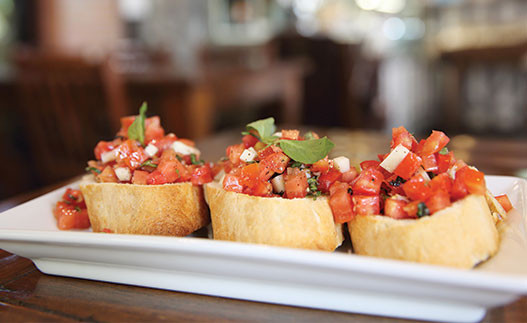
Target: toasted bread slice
x=169, y=209
x=296, y=223
x=461, y=235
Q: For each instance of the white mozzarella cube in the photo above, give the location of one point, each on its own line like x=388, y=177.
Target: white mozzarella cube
x=123, y=173
x=248, y=155
x=278, y=134
x=109, y=156
x=423, y=174
x=395, y=157
x=342, y=164
x=278, y=184
x=151, y=150
x=183, y=149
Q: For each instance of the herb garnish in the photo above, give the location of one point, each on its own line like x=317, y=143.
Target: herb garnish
x=444, y=151
x=296, y=164
x=136, y=131
x=93, y=169
x=148, y=163
x=313, y=187
x=195, y=161
x=422, y=210
x=397, y=182
x=305, y=151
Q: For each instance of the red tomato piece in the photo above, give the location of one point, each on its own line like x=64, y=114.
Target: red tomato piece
x=368, y=182
x=126, y=122
x=444, y=162
x=140, y=177
x=290, y=134
x=434, y=143
x=350, y=175
x=441, y=182
x=412, y=208
x=131, y=154
x=153, y=129
x=249, y=141
x=107, y=175
x=394, y=208
x=234, y=152
x=321, y=166
x=250, y=175
x=325, y=180
x=439, y=200
x=232, y=183
x=369, y=164
x=366, y=205
x=71, y=217
x=201, y=175
x=264, y=153
x=408, y=166
x=474, y=180
x=430, y=163
x=416, y=188
x=274, y=163
x=74, y=197
x=340, y=202
x=295, y=183
x=401, y=136
x=505, y=202
x=260, y=188
x=165, y=142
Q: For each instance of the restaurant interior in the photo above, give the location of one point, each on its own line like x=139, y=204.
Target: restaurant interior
x=70, y=69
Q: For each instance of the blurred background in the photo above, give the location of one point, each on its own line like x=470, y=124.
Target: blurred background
x=69, y=69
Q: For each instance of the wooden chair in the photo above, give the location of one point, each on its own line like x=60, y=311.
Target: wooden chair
x=68, y=105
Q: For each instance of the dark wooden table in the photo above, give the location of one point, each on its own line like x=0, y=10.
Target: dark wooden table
x=28, y=295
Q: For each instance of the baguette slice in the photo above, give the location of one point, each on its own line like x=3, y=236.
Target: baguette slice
x=169, y=209
x=461, y=235
x=296, y=223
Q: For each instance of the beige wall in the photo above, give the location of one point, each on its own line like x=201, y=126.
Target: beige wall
x=88, y=27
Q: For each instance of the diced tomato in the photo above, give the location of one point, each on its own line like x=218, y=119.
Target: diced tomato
x=153, y=129
x=434, y=143
x=106, y=230
x=401, y=136
x=366, y=205
x=412, y=208
x=74, y=197
x=250, y=175
x=140, y=177
x=105, y=146
x=444, y=161
x=165, y=142
x=505, y=202
x=290, y=134
x=369, y=164
x=295, y=183
x=274, y=163
x=131, y=154
x=408, y=166
x=350, y=175
x=394, y=208
x=474, y=180
x=441, y=182
x=430, y=163
x=416, y=188
x=126, y=122
x=232, y=183
x=201, y=175
x=260, y=188
x=369, y=182
x=70, y=216
x=419, y=147
x=249, y=141
x=340, y=202
x=437, y=201
x=264, y=153
x=107, y=175
x=321, y=166
x=234, y=152
x=325, y=180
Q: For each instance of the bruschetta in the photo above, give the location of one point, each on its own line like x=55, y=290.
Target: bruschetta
x=418, y=203
x=273, y=189
x=146, y=182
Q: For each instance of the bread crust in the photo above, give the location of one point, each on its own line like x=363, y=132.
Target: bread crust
x=296, y=223
x=170, y=209
x=461, y=235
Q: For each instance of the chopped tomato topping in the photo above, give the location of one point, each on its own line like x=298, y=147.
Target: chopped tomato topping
x=416, y=188
x=295, y=183
x=274, y=163
x=201, y=175
x=401, y=136
x=394, y=208
x=71, y=212
x=131, y=154
x=369, y=182
x=107, y=175
x=234, y=152
x=369, y=164
x=350, y=175
x=444, y=161
x=434, y=143
x=439, y=200
x=232, y=183
x=366, y=205
x=474, y=180
x=505, y=202
x=140, y=177
x=441, y=182
x=412, y=208
x=290, y=134
x=408, y=166
x=340, y=202
x=249, y=141
x=321, y=166
x=327, y=179
x=430, y=163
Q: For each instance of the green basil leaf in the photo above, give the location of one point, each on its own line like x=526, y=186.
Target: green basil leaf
x=307, y=151
x=136, y=131
x=309, y=136
x=422, y=210
x=148, y=163
x=195, y=161
x=444, y=151
x=264, y=127
x=92, y=169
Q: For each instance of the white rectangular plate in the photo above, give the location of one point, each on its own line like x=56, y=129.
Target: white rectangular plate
x=336, y=281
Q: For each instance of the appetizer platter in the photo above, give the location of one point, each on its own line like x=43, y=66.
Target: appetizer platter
x=416, y=234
